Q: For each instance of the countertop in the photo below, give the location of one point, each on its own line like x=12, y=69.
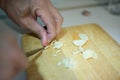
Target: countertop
x=99, y=15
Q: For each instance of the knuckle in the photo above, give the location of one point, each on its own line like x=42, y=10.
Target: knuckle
x=59, y=19
x=53, y=35
x=38, y=31
x=52, y=22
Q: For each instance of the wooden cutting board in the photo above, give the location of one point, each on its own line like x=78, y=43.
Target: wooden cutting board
x=44, y=65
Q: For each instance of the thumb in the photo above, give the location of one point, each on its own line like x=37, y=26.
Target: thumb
x=31, y=24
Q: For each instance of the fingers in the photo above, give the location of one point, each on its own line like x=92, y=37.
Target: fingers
x=9, y=68
x=58, y=19
x=12, y=60
x=6, y=73
x=6, y=68
x=31, y=24
x=17, y=58
x=57, y=16
x=53, y=21
x=20, y=61
x=50, y=23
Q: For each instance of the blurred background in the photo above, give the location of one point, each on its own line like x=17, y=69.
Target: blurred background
x=105, y=13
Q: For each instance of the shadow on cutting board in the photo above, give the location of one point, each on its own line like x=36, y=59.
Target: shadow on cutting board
x=33, y=69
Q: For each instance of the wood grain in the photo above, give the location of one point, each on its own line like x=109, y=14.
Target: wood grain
x=43, y=66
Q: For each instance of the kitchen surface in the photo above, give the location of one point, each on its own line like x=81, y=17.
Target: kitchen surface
x=76, y=12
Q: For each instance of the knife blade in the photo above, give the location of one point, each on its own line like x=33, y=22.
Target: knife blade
x=30, y=53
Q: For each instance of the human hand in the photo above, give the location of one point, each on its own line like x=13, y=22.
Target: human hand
x=12, y=60
x=25, y=13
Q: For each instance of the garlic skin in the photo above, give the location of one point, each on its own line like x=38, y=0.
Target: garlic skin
x=89, y=54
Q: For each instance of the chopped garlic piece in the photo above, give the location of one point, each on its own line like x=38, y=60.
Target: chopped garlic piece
x=76, y=52
x=57, y=45
x=68, y=63
x=55, y=54
x=85, y=53
x=81, y=48
x=83, y=37
x=52, y=42
x=89, y=54
x=79, y=42
x=58, y=51
x=59, y=63
x=95, y=56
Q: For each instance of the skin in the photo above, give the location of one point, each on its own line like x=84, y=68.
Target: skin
x=12, y=59
x=25, y=13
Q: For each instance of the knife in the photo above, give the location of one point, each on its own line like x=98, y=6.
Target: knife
x=30, y=53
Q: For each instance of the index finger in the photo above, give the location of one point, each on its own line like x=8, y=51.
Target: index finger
x=49, y=21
